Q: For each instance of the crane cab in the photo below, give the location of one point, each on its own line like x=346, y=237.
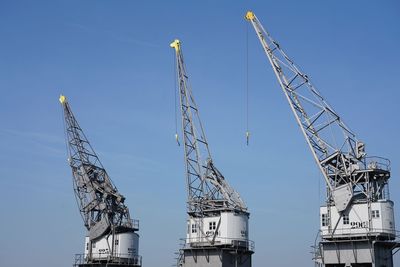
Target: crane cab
x=227, y=229
x=359, y=220
x=126, y=248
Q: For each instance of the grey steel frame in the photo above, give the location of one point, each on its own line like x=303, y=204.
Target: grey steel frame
x=339, y=155
x=208, y=191
x=100, y=204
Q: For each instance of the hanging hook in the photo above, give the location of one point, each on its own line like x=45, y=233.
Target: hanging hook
x=247, y=86
x=177, y=139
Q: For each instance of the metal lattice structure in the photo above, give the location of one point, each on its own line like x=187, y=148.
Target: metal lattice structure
x=101, y=205
x=341, y=157
x=208, y=191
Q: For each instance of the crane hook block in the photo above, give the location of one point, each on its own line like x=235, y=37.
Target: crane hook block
x=177, y=139
x=249, y=15
x=176, y=44
x=62, y=99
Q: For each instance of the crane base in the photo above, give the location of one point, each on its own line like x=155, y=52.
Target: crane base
x=215, y=257
x=105, y=265
x=356, y=253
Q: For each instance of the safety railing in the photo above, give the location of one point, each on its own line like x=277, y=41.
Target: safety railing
x=357, y=233
x=379, y=163
x=101, y=258
x=316, y=251
x=179, y=255
x=135, y=224
x=220, y=241
x=132, y=223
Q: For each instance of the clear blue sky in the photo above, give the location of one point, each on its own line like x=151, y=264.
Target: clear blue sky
x=113, y=61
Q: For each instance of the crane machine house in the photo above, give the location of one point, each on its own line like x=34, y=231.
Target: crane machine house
x=126, y=244
x=224, y=229
x=356, y=222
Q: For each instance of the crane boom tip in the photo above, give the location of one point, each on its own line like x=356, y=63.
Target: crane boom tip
x=62, y=99
x=249, y=15
x=176, y=44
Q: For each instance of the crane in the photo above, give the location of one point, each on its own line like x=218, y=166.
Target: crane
x=112, y=236
x=218, y=217
x=357, y=201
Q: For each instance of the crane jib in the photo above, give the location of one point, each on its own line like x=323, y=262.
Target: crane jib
x=204, y=181
x=335, y=148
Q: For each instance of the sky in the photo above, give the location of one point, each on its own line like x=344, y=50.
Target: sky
x=113, y=62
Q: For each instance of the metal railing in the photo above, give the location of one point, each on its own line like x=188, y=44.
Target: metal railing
x=101, y=258
x=131, y=223
x=179, y=255
x=362, y=231
x=220, y=241
x=375, y=162
x=135, y=224
x=367, y=234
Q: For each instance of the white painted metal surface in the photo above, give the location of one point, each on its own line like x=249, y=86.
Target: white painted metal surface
x=126, y=246
x=359, y=221
x=225, y=229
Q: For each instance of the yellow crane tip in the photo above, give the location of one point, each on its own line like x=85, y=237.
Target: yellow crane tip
x=175, y=44
x=62, y=99
x=249, y=15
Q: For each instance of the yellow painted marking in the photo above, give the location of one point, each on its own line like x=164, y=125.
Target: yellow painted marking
x=250, y=15
x=62, y=99
x=176, y=44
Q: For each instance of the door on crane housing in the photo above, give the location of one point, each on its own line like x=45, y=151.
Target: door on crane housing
x=387, y=213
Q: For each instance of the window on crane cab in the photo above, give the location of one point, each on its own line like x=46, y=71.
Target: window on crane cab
x=194, y=228
x=212, y=225
x=325, y=219
x=346, y=219
x=375, y=214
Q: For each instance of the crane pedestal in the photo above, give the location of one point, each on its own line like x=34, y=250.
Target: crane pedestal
x=356, y=253
x=215, y=257
x=106, y=265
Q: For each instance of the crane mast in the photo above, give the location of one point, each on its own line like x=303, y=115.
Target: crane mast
x=218, y=217
x=357, y=185
x=101, y=206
